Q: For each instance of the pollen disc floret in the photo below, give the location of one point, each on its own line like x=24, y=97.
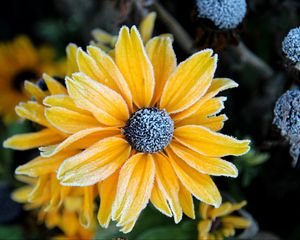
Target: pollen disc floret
x=149, y=130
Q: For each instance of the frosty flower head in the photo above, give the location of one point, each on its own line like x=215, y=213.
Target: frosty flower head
x=291, y=45
x=225, y=14
x=141, y=128
x=287, y=119
x=149, y=130
x=220, y=223
x=287, y=113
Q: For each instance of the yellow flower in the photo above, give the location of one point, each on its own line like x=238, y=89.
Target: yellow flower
x=60, y=208
x=20, y=61
x=218, y=223
x=147, y=129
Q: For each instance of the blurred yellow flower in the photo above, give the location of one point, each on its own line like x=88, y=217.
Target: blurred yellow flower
x=218, y=223
x=20, y=61
x=58, y=206
x=107, y=41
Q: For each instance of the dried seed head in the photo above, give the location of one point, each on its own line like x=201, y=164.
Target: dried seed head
x=225, y=14
x=287, y=119
x=291, y=45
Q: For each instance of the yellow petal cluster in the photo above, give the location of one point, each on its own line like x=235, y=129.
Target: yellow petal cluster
x=219, y=223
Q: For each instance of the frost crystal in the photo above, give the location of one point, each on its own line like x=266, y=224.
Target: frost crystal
x=287, y=119
x=225, y=14
x=291, y=45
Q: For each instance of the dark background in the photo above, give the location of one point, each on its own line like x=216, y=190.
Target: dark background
x=272, y=188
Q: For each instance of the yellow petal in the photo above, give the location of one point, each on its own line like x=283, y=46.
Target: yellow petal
x=186, y=201
x=237, y=206
x=212, y=107
x=32, y=140
x=163, y=59
x=159, y=201
x=55, y=188
x=228, y=231
x=134, y=188
x=34, y=91
x=209, y=143
x=168, y=183
x=221, y=211
x=75, y=140
x=215, y=123
x=104, y=37
x=110, y=74
x=68, y=223
x=40, y=193
x=189, y=82
x=95, y=163
x=72, y=203
x=204, y=210
x=204, y=226
x=32, y=111
x=135, y=66
x=128, y=227
x=146, y=26
x=107, y=191
x=52, y=219
x=88, y=66
x=220, y=84
x=200, y=185
x=217, y=85
x=71, y=59
x=53, y=85
x=41, y=166
x=87, y=211
x=69, y=121
x=105, y=104
x=205, y=165
x=21, y=194
x=227, y=209
x=64, y=101
x=237, y=222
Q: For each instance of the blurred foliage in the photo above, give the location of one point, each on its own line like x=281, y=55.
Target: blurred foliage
x=153, y=225
x=11, y=232
x=248, y=165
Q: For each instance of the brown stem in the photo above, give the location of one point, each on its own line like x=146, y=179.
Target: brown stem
x=248, y=57
x=181, y=36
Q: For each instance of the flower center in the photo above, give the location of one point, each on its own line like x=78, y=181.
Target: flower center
x=149, y=130
x=20, y=77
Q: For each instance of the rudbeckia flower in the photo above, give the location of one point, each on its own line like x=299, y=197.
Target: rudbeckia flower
x=20, y=61
x=218, y=223
x=147, y=129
